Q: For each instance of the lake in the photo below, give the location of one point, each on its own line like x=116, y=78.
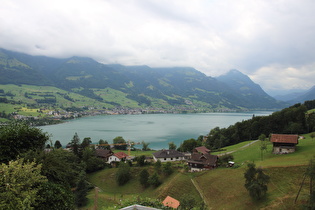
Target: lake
x=156, y=129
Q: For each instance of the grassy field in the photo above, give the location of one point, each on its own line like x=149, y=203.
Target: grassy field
x=222, y=188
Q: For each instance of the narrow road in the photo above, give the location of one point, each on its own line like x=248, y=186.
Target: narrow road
x=200, y=192
x=242, y=147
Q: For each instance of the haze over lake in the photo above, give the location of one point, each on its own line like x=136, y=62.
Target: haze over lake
x=156, y=129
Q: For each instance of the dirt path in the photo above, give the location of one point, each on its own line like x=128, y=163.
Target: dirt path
x=200, y=192
x=242, y=147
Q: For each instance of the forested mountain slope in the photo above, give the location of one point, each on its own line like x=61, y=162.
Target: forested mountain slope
x=178, y=86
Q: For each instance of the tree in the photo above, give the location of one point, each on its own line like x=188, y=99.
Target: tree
x=107, y=146
x=263, y=145
x=167, y=168
x=224, y=159
x=256, y=181
x=171, y=145
x=19, y=184
x=157, y=166
x=75, y=144
x=141, y=160
x=81, y=192
x=189, y=144
x=54, y=196
x=144, y=178
x=120, y=140
x=311, y=174
x=17, y=138
x=91, y=161
x=123, y=174
x=86, y=142
x=57, y=144
x=59, y=166
x=145, y=146
x=154, y=180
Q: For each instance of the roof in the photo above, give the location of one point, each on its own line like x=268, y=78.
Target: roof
x=103, y=153
x=171, y=202
x=138, y=207
x=170, y=153
x=205, y=159
x=202, y=150
x=284, y=138
x=120, y=155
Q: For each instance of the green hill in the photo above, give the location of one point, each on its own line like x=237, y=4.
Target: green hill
x=141, y=85
x=222, y=188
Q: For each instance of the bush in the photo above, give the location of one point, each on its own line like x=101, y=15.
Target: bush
x=154, y=180
x=123, y=174
x=144, y=178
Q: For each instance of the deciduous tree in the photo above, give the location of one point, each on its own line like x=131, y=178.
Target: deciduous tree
x=57, y=144
x=256, y=181
x=171, y=145
x=120, y=143
x=144, y=178
x=123, y=174
x=19, y=184
x=17, y=138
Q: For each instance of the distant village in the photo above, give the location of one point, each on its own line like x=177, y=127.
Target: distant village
x=94, y=111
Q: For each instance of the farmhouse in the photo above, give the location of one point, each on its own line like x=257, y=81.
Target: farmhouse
x=103, y=154
x=202, y=150
x=201, y=162
x=168, y=155
x=284, y=143
x=117, y=157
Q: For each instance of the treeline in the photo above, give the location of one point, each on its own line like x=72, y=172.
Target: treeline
x=296, y=119
x=34, y=178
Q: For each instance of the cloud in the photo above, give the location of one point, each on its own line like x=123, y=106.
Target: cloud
x=260, y=38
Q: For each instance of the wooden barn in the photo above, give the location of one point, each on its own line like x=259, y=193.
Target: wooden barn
x=284, y=143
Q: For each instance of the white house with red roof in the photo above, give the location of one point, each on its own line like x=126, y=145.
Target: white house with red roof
x=117, y=157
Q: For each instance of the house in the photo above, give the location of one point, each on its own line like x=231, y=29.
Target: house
x=202, y=150
x=168, y=155
x=117, y=157
x=199, y=162
x=103, y=154
x=171, y=202
x=284, y=143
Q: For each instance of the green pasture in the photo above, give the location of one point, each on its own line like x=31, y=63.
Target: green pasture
x=222, y=188
x=176, y=185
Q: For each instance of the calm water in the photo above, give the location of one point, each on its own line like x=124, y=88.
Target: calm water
x=156, y=129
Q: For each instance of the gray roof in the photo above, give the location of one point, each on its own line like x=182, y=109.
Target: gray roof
x=138, y=207
x=170, y=153
x=104, y=153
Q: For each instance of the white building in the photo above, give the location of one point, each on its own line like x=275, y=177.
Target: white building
x=168, y=155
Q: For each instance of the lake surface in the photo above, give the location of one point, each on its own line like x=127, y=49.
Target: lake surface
x=156, y=129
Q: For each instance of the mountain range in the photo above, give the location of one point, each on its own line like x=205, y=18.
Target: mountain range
x=146, y=86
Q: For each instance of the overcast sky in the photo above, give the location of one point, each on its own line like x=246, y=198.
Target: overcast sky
x=272, y=41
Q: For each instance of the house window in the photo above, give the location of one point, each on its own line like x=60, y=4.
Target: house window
x=164, y=158
x=176, y=157
x=171, y=158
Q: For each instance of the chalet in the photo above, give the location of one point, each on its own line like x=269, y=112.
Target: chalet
x=168, y=155
x=117, y=157
x=199, y=162
x=202, y=150
x=103, y=154
x=171, y=202
x=284, y=143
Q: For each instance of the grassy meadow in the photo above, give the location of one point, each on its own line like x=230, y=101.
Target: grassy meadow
x=222, y=188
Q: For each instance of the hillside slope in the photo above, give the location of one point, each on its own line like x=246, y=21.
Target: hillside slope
x=163, y=87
